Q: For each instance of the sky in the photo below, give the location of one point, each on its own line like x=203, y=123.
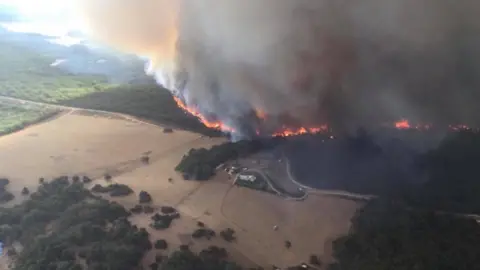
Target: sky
x=45, y=15
x=38, y=8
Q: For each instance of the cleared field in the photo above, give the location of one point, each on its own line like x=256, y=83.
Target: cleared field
x=310, y=225
x=93, y=145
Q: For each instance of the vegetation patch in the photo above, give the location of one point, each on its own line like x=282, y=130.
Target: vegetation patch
x=200, y=164
x=386, y=236
x=29, y=75
x=15, y=117
x=63, y=226
x=114, y=190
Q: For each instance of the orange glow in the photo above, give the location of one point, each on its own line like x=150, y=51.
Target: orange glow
x=405, y=124
x=402, y=124
x=210, y=124
x=287, y=132
x=261, y=114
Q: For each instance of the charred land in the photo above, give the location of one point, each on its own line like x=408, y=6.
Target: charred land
x=421, y=191
x=405, y=165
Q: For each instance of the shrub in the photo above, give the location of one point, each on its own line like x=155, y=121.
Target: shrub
x=203, y=232
x=107, y=177
x=4, y=182
x=161, y=244
x=6, y=196
x=167, y=210
x=145, y=159
x=288, y=244
x=118, y=190
x=137, y=209
x=147, y=209
x=228, y=235
x=144, y=197
x=86, y=180
x=114, y=190
x=25, y=191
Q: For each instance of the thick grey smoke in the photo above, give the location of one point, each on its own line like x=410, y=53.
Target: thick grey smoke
x=307, y=62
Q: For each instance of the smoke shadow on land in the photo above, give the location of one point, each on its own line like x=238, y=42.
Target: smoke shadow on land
x=146, y=100
x=380, y=165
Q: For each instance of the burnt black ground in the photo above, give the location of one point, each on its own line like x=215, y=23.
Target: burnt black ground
x=365, y=164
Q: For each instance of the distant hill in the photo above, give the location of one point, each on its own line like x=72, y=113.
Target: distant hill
x=77, y=56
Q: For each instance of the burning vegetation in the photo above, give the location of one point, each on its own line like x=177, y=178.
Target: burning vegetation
x=310, y=67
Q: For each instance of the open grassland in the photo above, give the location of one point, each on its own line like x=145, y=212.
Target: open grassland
x=95, y=145
x=28, y=75
x=16, y=117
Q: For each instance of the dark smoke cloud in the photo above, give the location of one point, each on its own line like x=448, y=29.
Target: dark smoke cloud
x=345, y=63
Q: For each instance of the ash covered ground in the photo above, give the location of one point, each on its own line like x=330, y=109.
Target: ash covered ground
x=383, y=163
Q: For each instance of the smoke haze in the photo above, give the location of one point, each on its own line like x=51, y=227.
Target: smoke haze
x=306, y=62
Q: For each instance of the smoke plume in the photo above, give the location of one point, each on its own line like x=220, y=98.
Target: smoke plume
x=306, y=62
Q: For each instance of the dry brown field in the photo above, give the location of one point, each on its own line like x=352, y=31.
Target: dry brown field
x=94, y=145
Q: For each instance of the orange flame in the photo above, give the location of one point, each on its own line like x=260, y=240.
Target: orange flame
x=405, y=124
x=287, y=132
x=402, y=124
x=210, y=124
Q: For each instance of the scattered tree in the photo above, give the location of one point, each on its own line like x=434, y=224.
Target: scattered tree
x=145, y=159
x=168, y=210
x=203, y=232
x=288, y=244
x=25, y=191
x=161, y=244
x=228, y=234
x=86, y=180
x=4, y=182
x=144, y=197
x=107, y=177
x=137, y=209
x=114, y=190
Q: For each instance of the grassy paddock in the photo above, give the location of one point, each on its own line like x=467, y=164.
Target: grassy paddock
x=16, y=117
x=28, y=75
